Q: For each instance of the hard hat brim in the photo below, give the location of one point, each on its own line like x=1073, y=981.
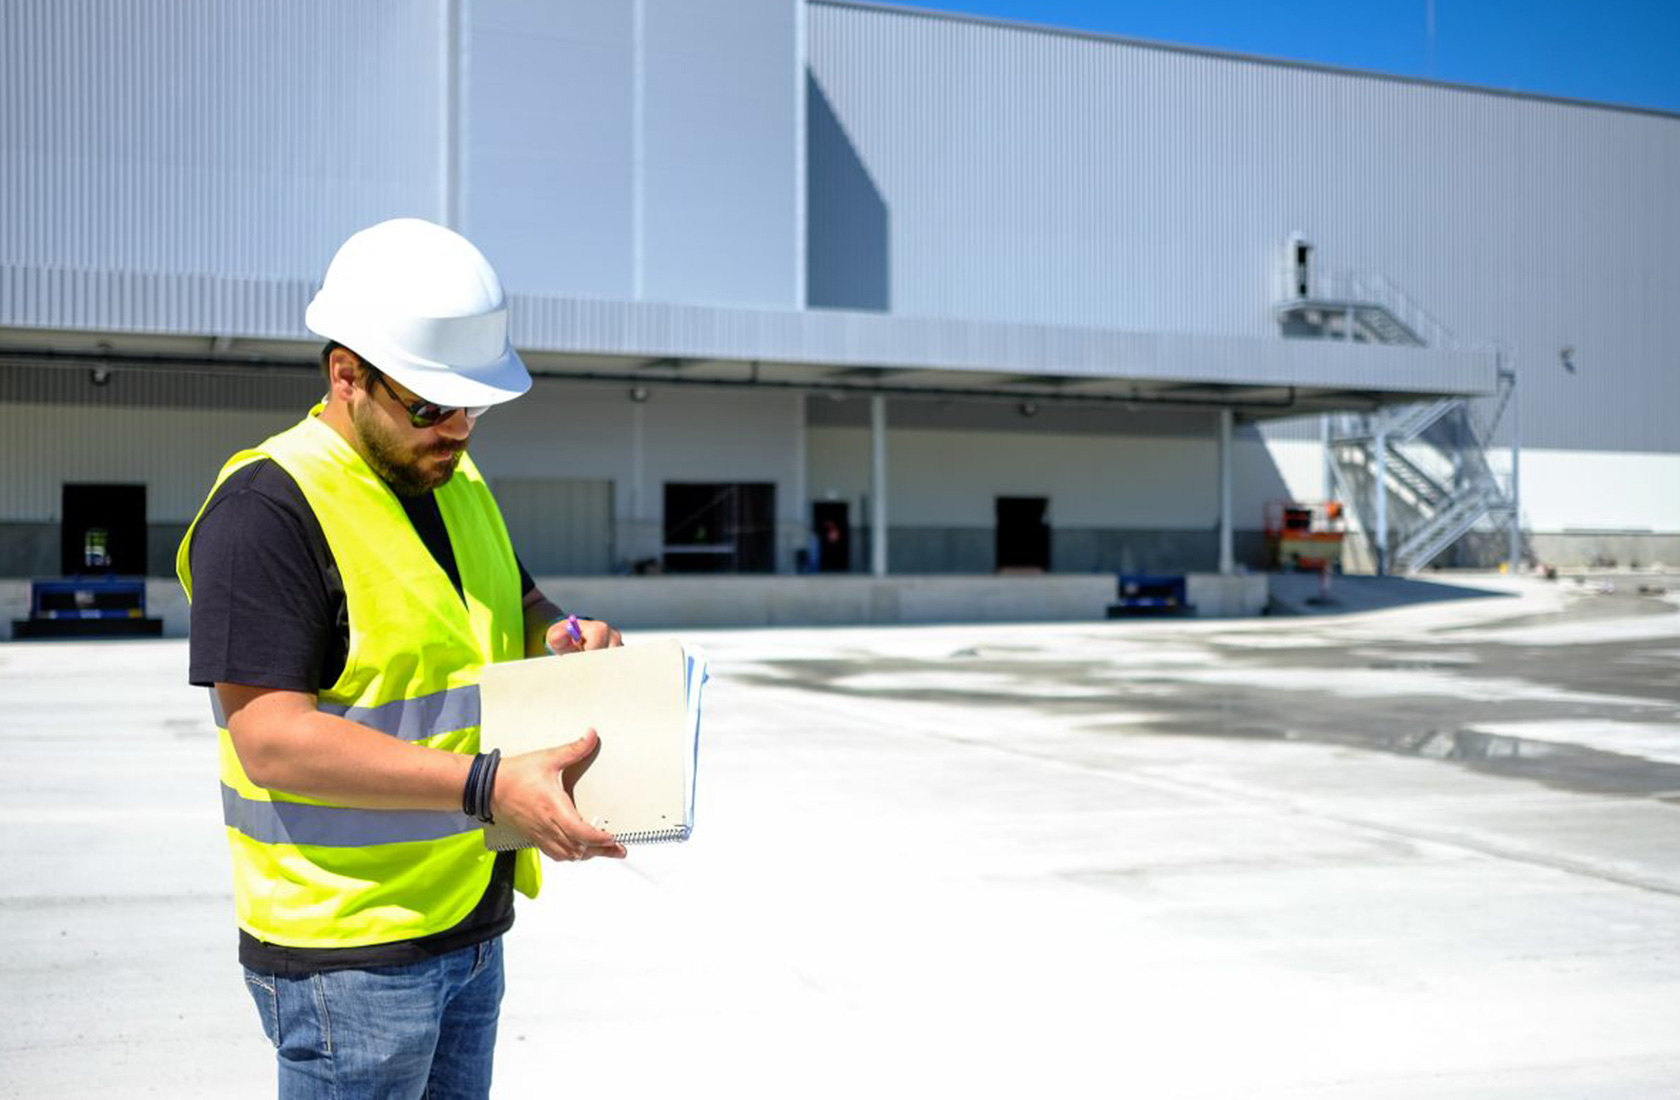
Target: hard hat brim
x=460, y=387
x=493, y=383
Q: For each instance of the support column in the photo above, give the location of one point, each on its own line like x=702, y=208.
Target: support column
x=1227, y=560
x=644, y=534
x=1324, y=430
x=1516, y=471
x=878, y=485
x=1380, y=442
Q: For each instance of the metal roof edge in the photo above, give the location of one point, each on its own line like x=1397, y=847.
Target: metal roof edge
x=271, y=312
x=1234, y=55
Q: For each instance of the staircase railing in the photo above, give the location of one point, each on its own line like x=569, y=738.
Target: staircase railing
x=1360, y=287
x=1460, y=514
x=1442, y=506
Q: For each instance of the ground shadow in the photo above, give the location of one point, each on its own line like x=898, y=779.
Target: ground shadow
x=1305, y=594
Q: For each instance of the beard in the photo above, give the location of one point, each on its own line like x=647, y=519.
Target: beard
x=409, y=470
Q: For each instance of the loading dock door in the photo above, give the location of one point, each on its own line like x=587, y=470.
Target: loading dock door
x=1023, y=536
x=720, y=528
x=559, y=526
x=103, y=530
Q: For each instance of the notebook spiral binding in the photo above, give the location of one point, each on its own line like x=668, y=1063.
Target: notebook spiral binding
x=674, y=835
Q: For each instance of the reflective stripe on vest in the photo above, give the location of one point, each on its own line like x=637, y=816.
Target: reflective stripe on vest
x=336, y=826
x=416, y=719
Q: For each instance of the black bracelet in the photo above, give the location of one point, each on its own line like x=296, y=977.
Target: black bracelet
x=487, y=785
x=469, y=792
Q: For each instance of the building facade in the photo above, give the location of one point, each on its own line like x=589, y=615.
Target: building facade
x=785, y=267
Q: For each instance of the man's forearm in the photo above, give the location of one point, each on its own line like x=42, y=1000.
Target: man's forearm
x=325, y=756
x=304, y=751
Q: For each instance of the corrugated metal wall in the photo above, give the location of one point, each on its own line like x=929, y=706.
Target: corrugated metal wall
x=232, y=137
x=549, y=171
x=146, y=429
x=175, y=453
x=636, y=149
x=722, y=152
x=154, y=387
x=1065, y=179
x=558, y=525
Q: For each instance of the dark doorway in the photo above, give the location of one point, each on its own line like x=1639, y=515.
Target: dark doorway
x=831, y=526
x=1023, y=538
x=720, y=528
x=103, y=530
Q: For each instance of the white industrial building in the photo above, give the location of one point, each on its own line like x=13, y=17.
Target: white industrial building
x=1043, y=300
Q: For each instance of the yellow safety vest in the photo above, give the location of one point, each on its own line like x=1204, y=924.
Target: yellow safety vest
x=307, y=872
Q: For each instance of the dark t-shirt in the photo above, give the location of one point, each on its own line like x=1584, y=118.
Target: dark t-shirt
x=268, y=610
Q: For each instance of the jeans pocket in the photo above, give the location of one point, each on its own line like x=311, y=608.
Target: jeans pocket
x=267, y=996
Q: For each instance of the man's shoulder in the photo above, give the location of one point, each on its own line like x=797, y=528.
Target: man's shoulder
x=258, y=508
x=263, y=481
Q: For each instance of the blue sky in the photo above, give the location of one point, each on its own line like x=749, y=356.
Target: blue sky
x=1616, y=51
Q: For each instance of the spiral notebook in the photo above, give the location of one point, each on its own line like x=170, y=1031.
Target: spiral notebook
x=645, y=703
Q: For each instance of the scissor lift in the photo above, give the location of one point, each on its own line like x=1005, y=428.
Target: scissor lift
x=1305, y=536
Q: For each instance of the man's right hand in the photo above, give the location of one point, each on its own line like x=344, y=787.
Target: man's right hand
x=531, y=796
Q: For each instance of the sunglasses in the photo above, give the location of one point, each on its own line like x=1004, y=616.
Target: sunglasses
x=424, y=414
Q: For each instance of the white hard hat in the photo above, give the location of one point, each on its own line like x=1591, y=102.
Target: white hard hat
x=421, y=304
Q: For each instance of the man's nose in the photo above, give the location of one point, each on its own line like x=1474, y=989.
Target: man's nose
x=456, y=426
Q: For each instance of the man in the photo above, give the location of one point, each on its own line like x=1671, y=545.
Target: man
x=349, y=577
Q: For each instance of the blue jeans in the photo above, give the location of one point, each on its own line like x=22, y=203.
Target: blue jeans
x=421, y=1031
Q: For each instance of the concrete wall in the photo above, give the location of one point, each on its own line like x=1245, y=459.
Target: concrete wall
x=778, y=601
x=1574, y=550
x=1219, y=597
x=649, y=602
x=644, y=602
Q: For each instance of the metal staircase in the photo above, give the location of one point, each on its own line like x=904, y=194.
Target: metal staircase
x=1420, y=470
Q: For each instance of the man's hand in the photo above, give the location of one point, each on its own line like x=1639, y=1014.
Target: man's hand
x=533, y=794
x=596, y=635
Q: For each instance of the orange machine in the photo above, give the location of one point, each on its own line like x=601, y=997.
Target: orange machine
x=1304, y=535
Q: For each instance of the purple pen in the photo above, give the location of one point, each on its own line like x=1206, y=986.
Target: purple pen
x=573, y=630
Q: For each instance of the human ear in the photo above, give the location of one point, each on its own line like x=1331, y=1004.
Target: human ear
x=344, y=373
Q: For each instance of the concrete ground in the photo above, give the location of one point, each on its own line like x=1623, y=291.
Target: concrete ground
x=1428, y=851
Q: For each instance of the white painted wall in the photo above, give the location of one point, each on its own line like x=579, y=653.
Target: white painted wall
x=951, y=479
x=175, y=452
x=1299, y=464
x=938, y=478
x=1562, y=491
x=1596, y=490
x=685, y=434
x=558, y=430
